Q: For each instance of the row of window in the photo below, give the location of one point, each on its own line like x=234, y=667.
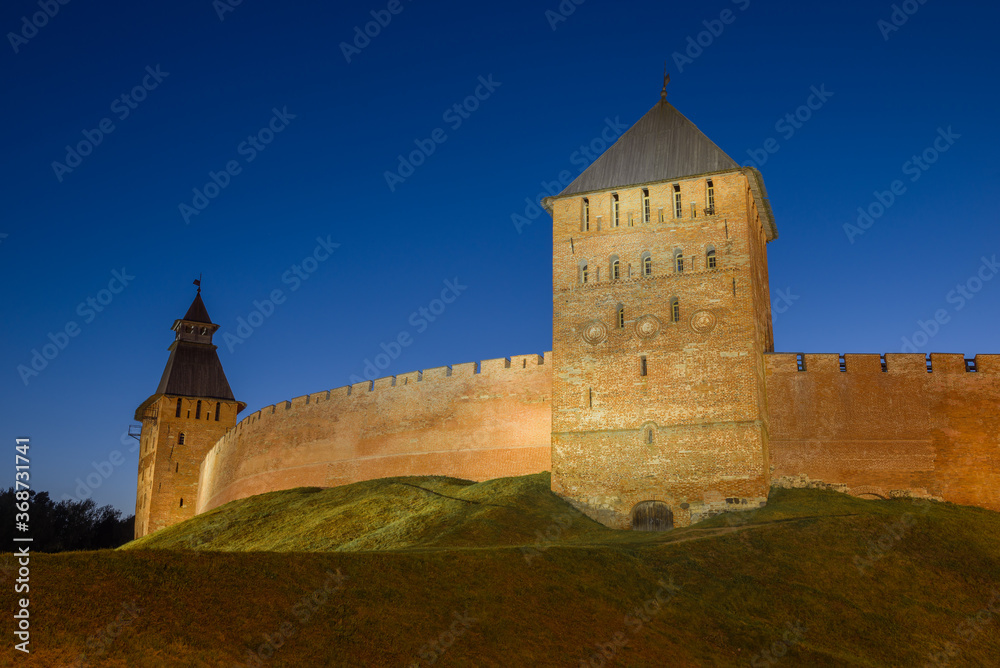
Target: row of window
x=197, y=410
x=615, y=265
x=646, y=208
x=675, y=315
x=143, y=504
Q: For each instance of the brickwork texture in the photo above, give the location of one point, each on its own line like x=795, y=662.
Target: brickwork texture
x=445, y=421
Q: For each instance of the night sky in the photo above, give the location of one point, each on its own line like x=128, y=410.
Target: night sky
x=146, y=144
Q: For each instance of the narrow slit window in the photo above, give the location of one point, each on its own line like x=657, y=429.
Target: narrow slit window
x=178, y=414
x=218, y=409
x=645, y=205
x=642, y=365
x=182, y=502
x=649, y=436
x=197, y=410
x=614, y=209
x=678, y=205
x=180, y=439
x=177, y=467
x=710, y=199
x=586, y=214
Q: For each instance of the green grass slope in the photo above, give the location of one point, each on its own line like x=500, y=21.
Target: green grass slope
x=385, y=514
x=814, y=579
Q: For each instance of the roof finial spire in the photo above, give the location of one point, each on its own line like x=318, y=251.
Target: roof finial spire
x=198, y=283
x=666, y=80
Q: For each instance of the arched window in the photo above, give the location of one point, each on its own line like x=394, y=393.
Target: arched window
x=678, y=260
x=584, y=273
x=218, y=407
x=620, y=317
x=647, y=264
x=180, y=439
x=616, y=268
x=197, y=410
x=675, y=310
x=710, y=257
x=178, y=414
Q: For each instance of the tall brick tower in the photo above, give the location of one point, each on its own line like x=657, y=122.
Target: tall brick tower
x=191, y=409
x=661, y=318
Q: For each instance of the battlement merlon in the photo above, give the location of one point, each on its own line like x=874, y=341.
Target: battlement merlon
x=484, y=368
x=892, y=363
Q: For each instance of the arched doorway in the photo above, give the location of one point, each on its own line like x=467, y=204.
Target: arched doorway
x=652, y=516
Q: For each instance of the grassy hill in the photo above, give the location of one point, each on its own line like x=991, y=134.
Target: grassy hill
x=437, y=571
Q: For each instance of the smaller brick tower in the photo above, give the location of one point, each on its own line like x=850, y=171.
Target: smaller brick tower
x=191, y=409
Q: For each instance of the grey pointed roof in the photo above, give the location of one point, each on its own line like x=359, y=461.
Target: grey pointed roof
x=662, y=145
x=197, y=312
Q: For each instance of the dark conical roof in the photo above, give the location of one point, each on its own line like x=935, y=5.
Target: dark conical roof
x=197, y=312
x=661, y=146
x=194, y=370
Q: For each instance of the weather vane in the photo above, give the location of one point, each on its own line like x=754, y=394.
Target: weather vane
x=666, y=80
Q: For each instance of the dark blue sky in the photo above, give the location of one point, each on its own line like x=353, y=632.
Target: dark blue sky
x=213, y=84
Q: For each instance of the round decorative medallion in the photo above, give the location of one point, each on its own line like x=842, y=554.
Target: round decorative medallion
x=594, y=332
x=647, y=327
x=703, y=322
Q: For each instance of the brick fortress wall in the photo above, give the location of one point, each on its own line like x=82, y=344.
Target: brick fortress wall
x=444, y=421
x=874, y=431
x=877, y=431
